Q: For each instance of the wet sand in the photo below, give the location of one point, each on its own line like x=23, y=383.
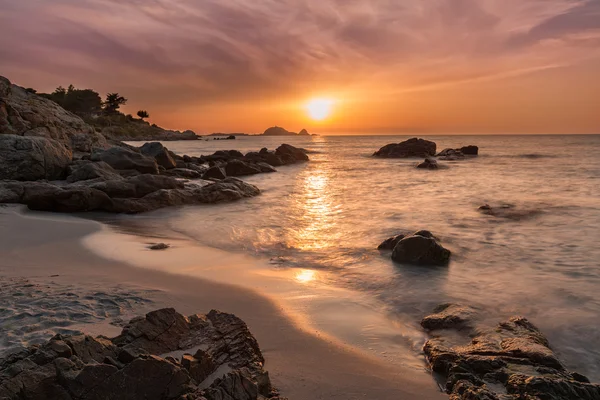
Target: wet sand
x=64, y=286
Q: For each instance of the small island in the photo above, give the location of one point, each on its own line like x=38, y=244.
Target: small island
x=279, y=131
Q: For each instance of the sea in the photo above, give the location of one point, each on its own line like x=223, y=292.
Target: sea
x=328, y=216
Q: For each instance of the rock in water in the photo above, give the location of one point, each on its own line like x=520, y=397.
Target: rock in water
x=290, y=154
x=132, y=366
x=215, y=172
x=159, y=246
x=510, y=362
x=160, y=153
x=240, y=168
x=410, y=148
x=390, y=243
x=420, y=250
x=470, y=150
x=29, y=158
x=122, y=158
x=429, y=163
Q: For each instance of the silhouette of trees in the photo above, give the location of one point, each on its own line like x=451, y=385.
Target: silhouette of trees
x=83, y=102
x=113, y=102
x=143, y=114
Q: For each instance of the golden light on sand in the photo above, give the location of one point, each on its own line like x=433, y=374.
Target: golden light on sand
x=320, y=108
x=305, y=276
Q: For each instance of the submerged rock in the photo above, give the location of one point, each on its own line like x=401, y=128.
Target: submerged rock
x=159, y=246
x=428, y=163
x=509, y=211
x=137, y=364
x=512, y=361
x=410, y=148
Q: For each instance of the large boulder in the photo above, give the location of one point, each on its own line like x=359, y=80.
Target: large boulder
x=70, y=199
x=215, y=172
x=419, y=249
x=27, y=114
x=241, y=168
x=137, y=186
x=290, y=154
x=511, y=361
x=32, y=158
x=93, y=170
x=122, y=158
x=410, y=148
x=470, y=150
x=133, y=365
x=160, y=153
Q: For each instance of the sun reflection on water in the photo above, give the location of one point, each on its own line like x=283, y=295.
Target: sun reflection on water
x=305, y=276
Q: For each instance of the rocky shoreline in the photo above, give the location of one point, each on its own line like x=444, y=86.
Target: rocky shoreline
x=161, y=356
x=51, y=160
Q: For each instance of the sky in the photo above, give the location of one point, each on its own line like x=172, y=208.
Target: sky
x=388, y=66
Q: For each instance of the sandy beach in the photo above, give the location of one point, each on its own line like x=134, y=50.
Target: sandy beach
x=51, y=282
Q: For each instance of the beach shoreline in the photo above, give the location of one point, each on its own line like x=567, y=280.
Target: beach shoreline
x=46, y=251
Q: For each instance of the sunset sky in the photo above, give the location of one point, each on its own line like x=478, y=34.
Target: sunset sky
x=428, y=66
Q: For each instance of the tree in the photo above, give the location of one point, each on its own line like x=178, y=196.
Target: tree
x=113, y=102
x=83, y=102
x=143, y=114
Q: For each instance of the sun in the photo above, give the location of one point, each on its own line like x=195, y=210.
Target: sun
x=319, y=109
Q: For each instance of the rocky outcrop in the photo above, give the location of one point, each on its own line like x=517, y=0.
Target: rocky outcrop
x=26, y=114
x=127, y=195
x=410, y=148
x=160, y=154
x=88, y=170
x=132, y=129
x=28, y=158
x=241, y=168
x=279, y=131
x=458, y=154
x=512, y=361
x=290, y=154
x=420, y=248
x=122, y=158
x=162, y=356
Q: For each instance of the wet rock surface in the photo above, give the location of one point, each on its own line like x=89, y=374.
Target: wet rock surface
x=419, y=248
x=509, y=211
x=161, y=356
x=512, y=361
x=428, y=163
x=414, y=147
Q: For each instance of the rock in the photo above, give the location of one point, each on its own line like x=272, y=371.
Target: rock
x=420, y=250
x=159, y=246
x=32, y=158
x=137, y=186
x=450, y=155
x=93, y=170
x=449, y=316
x=303, y=132
x=390, y=243
x=512, y=361
x=240, y=168
x=26, y=114
x=160, y=153
x=290, y=154
x=70, y=199
x=214, y=173
x=184, y=173
x=278, y=131
x=470, y=150
x=265, y=167
x=509, y=211
x=410, y=148
x=130, y=366
x=125, y=159
x=428, y=164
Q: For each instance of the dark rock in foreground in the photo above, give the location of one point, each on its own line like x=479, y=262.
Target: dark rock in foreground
x=420, y=248
x=122, y=158
x=162, y=356
x=410, y=148
x=512, y=361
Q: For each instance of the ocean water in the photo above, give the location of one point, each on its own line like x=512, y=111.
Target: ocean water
x=331, y=213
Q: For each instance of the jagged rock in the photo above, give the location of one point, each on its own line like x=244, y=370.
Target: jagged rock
x=93, y=170
x=215, y=172
x=184, y=173
x=428, y=163
x=27, y=114
x=26, y=158
x=240, y=168
x=130, y=366
x=410, y=148
x=125, y=159
x=265, y=167
x=450, y=155
x=420, y=248
x=512, y=361
x=160, y=153
x=449, y=316
x=137, y=186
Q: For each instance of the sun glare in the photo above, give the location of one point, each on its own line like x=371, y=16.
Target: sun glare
x=319, y=109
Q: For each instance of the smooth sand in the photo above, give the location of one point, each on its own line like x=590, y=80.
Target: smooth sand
x=65, y=278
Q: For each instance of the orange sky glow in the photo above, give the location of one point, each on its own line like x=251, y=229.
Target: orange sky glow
x=387, y=66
